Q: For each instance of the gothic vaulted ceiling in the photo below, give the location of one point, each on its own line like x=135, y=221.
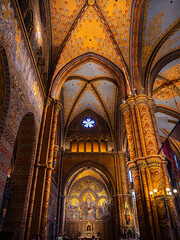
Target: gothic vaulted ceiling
x=130, y=35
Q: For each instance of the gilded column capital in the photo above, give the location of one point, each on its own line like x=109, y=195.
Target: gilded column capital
x=124, y=107
x=141, y=163
x=132, y=166
x=57, y=106
x=152, y=104
x=47, y=101
x=141, y=99
x=131, y=102
x=154, y=160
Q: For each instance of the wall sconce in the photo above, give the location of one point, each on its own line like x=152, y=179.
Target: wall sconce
x=151, y=193
x=155, y=191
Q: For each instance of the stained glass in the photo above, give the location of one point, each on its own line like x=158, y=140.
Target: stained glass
x=88, y=122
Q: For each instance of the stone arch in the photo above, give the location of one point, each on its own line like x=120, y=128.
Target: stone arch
x=111, y=67
x=88, y=203
x=149, y=80
x=89, y=164
x=21, y=177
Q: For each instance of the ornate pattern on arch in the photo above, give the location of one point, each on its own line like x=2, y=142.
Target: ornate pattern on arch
x=149, y=81
x=168, y=110
x=62, y=75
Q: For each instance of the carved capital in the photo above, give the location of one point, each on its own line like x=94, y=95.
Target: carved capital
x=141, y=99
x=152, y=104
x=154, y=160
x=131, y=102
x=124, y=108
x=132, y=166
x=57, y=106
x=47, y=101
x=141, y=163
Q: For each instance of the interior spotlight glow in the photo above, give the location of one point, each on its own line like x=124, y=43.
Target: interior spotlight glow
x=167, y=189
x=169, y=193
x=151, y=193
x=155, y=190
x=174, y=190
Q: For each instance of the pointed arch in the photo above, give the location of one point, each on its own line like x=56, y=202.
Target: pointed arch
x=107, y=64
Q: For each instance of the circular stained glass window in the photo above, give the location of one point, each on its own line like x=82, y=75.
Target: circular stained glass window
x=88, y=122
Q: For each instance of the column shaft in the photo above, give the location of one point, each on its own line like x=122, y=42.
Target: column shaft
x=49, y=170
x=36, y=168
x=148, y=170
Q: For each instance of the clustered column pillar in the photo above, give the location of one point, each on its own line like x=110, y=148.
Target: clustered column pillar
x=37, y=215
x=47, y=103
x=147, y=170
x=57, y=107
x=125, y=193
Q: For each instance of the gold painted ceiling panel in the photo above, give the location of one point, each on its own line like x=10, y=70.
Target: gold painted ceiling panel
x=63, y=13
x=89, y=35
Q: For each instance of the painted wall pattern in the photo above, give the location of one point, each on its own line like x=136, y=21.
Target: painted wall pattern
x=2, y=85
x=168, y=83
x=171, y=44
x=10, y=30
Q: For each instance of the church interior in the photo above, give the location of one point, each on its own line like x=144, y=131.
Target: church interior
x=90, y=119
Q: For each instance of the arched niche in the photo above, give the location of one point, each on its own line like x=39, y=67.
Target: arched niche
x=88, y=203
x=20, y=178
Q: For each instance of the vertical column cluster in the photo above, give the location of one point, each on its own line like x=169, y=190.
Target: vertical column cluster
x=38, y=209
x=147, y=169
x=125, y=196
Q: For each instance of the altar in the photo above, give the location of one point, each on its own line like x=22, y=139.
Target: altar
x=88, y=235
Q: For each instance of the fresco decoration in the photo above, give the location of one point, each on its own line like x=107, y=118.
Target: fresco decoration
x=153, y=30
x=170, y=80
x=10, y=30
x=118, y=16
x=167, y=86
x=91, y=173
x=169, y=45
x=2, y=85
x=88, y=200
x=18, y=101
x=91, y=70
x=89, y=35
x=98, y=96
x=72, y=90
x=107, y=92
x=160, y=16
x=88, y=100
x=63, y=13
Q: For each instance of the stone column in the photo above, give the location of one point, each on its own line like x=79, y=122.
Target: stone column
x=47, y=103
x=126, y=195
x=57, y=107
x=118, y=201
x=146, y=167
